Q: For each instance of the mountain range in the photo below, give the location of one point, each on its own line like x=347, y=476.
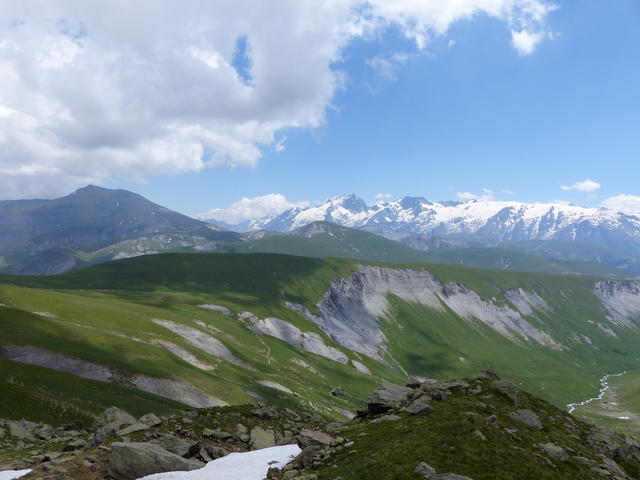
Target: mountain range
x=602, y=235
x=95, y=225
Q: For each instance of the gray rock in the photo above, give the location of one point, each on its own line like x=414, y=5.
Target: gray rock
x=151, y=419
x=306, y=438
x=527, y=417
x=177, y=445
x=386, y=397
x=554, y=451
x=419, y=406
x=386, y=418
x=479, y=434
x=17, y=430
x=109, y=422
x=507, y=388
x=426, y=470
x=217, y=434
x=136, y=427
x=77, y=444
x=266, y=413
x=130, y=461
x=261, y=438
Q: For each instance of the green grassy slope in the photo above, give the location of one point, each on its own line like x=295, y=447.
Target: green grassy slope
x=504, y=259
x=104, y=314
x=331, y=241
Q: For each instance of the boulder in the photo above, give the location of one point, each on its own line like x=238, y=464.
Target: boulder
x=306, y=438
x=506, y=388
x=425, y=470
x=386, y=397
x=136, y=427
x=109, y=422
x=554, y=451
x=266, y=413
x=419, y=406
x=130, y=461
x=260, y=438
x=177, y=445
x=77, y=444
x=150, y=419
x=18, y=431
x=527, y=417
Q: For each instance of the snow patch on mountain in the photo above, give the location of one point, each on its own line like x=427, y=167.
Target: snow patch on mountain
x=486, y=221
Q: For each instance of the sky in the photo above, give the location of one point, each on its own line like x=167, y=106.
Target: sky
x=251, y=107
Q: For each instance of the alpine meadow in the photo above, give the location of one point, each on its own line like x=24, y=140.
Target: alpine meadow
x=352, y=240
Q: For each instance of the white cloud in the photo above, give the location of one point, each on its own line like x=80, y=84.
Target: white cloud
x=586, y=186
x=248, y=208
x=508, y=192
x=90, y=90
x=382, y=196
x=487, y=195
x=386, y=67
x=525, y=42
x=623, y=203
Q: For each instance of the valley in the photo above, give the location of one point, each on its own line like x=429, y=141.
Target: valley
x=215, y=329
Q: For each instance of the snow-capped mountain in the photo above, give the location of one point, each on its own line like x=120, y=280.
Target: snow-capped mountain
x=489, y=222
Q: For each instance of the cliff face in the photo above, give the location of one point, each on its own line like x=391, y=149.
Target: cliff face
x=621, y=299
x=349, y=311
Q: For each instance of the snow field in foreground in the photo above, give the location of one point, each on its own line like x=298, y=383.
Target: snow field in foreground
x=11, y=474
x=235, y=466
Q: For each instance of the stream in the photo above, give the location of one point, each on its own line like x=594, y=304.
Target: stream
x=605, y=386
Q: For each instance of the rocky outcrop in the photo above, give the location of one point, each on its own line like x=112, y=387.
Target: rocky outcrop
x=350, y=310
x=173, y=389
x=621, y=299
x=307, y=341
x=130, y=461
x=205, y=342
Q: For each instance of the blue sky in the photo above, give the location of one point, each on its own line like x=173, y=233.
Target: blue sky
x=468, y=115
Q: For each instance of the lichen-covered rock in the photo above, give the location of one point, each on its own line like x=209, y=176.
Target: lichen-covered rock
x=526, y=417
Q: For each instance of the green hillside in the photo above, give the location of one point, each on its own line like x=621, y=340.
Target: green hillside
x=116, y=315
x=328, y=240
x=495, y=258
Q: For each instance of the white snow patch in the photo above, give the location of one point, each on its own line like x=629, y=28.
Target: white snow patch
x=237, y=466
x=11, y=474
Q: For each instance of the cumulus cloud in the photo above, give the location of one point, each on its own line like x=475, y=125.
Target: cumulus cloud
x=487, y=195
x=248, y=208
x=525, y=42
x=586, y=186
x=89, y=90
x=623, y=203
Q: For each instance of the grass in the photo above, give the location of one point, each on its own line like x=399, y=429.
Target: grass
x=104, y=314
x=445, y=440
